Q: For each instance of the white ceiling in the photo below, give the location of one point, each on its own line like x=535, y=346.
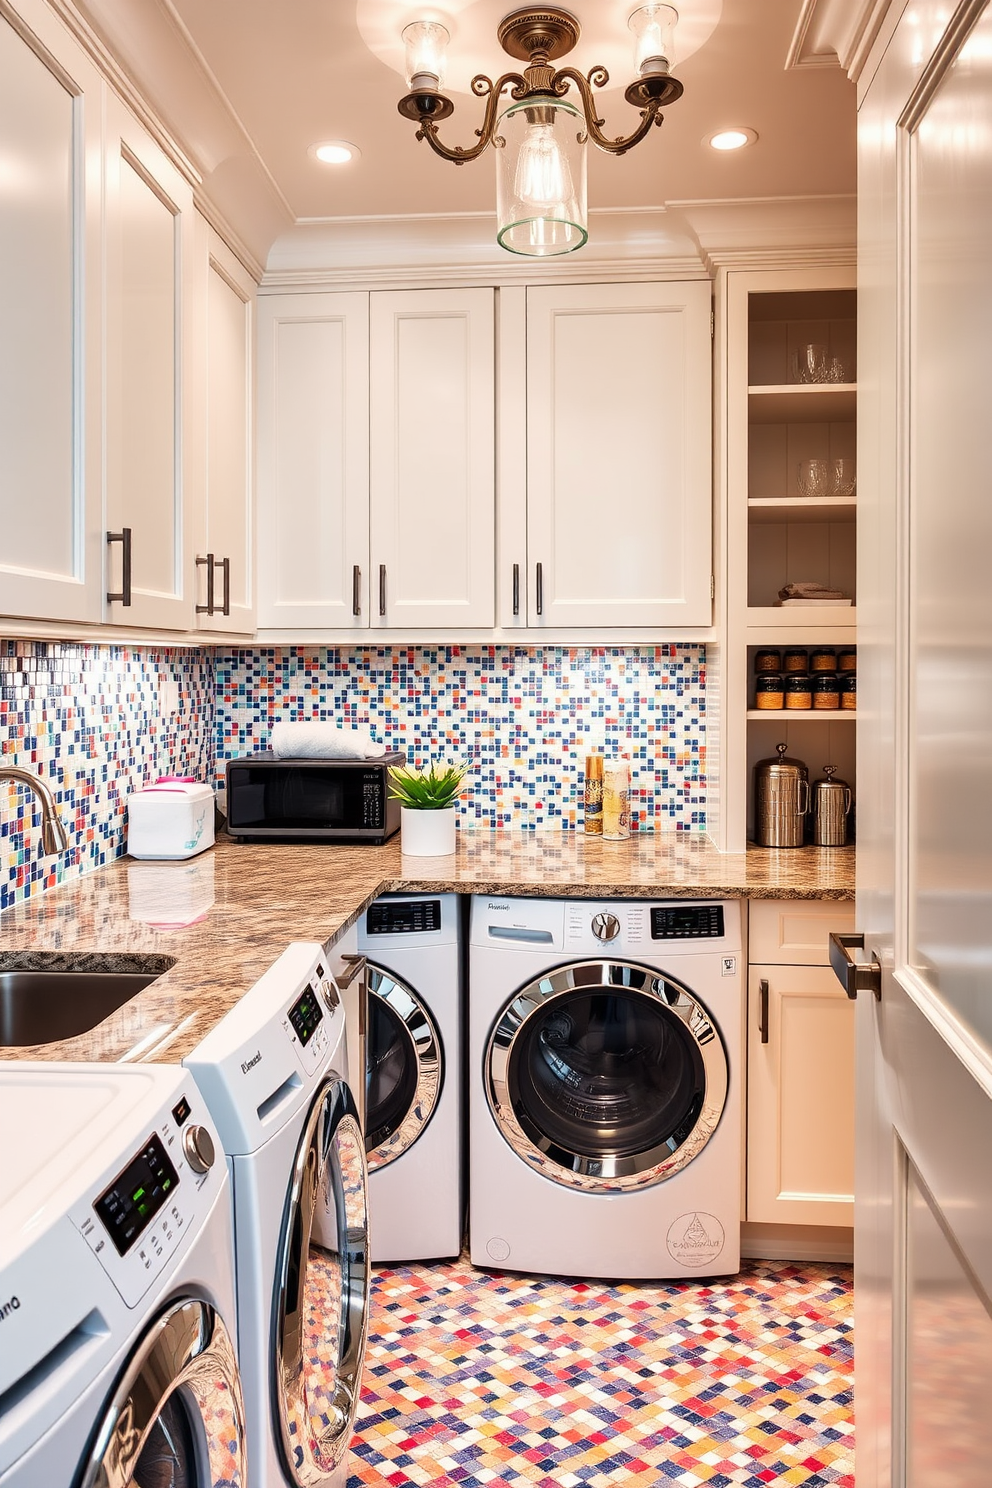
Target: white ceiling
x=248, y=85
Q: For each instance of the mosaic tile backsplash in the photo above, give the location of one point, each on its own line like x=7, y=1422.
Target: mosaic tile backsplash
x=90, y=720
x=524, y=716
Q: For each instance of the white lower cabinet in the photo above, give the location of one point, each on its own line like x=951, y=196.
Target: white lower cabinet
x=376, y=463
x=800, y=1068
x=51, y=553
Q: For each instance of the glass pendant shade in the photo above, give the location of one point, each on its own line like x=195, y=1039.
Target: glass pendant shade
x=426, y=45
x=541, y=178
x=654, y=29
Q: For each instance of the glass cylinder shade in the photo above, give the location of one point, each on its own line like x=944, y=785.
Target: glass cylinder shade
x=654, y=29
x=541, y=178
x=426, y=47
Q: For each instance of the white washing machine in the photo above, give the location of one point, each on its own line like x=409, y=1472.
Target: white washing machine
x=605, y=1090
x=271, y=1072
x=414, y=1091
x=117, y=1361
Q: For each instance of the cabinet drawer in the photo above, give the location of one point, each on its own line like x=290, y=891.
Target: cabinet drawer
x=794, y=932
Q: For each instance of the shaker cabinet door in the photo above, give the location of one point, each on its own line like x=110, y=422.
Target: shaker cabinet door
x=51, y=553
x=433, y=450
x=150, y=248
x=619, y=503
x=313, y=461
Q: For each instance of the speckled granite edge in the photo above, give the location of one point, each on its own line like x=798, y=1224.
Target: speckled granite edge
x=224, y=917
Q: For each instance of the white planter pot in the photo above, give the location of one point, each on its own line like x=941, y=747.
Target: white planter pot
x=427, y=834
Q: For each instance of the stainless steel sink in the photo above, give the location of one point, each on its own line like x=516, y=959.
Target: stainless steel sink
x=59, y=996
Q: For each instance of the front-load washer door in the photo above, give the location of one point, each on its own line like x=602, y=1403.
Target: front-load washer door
x=322, y=1290
x=404, y=1068
x=605, y=1076
x=176, y=1418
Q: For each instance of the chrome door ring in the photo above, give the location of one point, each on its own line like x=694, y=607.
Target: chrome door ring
x=425, y=1047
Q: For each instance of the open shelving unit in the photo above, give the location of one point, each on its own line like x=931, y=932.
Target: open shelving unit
x=775, y=535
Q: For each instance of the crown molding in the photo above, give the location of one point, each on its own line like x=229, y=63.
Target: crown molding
x=835, y=33
x=589, y=271
x=767, y=231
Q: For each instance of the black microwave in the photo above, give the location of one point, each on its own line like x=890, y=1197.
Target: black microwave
x=311, y=800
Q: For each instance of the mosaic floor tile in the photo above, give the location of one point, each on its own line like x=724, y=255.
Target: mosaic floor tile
x=476, y=1377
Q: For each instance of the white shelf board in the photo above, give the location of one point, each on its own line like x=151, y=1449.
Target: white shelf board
x=762, y=509
x=799, y=715
x=801, y=617
x=803, y=403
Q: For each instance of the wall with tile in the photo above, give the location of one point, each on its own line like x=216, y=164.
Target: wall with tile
x=524, y=716
x=94, y=723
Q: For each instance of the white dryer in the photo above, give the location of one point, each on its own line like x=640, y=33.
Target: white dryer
x=414, y=1092
x=117, y=1361
x=271, y=1072
x=605, y=1086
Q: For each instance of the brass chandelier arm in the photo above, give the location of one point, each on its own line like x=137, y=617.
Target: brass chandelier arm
x=650, y=114
x=483, y=88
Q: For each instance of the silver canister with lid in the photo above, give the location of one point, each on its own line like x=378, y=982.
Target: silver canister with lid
x=830, y=809
x=781, y=800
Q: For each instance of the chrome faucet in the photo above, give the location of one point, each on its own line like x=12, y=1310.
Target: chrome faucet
x=53, y=834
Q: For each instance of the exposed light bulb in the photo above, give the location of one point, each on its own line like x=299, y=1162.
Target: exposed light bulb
x=542, y=177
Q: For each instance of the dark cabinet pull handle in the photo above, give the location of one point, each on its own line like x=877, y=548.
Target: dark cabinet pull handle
x=124, y=538
x=516, y=588
x=763, y=1010
x=356, y=590
x=540, y=588
x=225, y=568
x=382, y=588
x=208, y=564
x=854, y=976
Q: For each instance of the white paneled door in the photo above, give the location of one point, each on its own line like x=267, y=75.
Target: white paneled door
x=923, y=1218
x=619, y=489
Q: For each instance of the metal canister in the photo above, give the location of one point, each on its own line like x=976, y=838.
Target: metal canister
x=831, y=806
x=781, y=800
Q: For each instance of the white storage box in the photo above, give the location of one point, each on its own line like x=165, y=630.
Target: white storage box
x=171, y=819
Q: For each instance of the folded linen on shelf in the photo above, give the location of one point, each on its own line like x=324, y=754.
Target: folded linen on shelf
x=323, y=741
x=811, y=591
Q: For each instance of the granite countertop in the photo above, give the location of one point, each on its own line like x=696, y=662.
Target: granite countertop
x=242, y=905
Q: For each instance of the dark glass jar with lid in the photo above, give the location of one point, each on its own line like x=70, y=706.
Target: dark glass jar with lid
x=823, y=659
x=849, y=691
x=767, y=661
x=798, y=691
x=826, y=691
x=847, y=659
x=795, y=660
x=769, y=691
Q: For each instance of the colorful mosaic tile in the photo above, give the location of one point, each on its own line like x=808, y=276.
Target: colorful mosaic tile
x=524, y=716
x=477, y=1377
x=88, y=719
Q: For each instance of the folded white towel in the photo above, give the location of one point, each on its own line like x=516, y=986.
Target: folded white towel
x=323, y=741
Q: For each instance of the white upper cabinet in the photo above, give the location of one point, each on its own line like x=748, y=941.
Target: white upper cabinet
x=149, y=257
x=224, y=399
x=51, y=553
x=619, y=495
x=432, y=458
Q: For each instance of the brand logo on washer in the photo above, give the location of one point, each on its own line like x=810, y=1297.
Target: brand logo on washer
x=6, y=1308
x=491, y=905
x=251, y=1063
x=695, y=1239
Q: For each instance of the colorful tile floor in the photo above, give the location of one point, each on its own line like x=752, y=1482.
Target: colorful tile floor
x=477, y=1377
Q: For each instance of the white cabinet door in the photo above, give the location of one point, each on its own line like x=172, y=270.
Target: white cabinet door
x=150, y=258
x=800, y=1097
x=51, y=552
x=313, y=461
x=433, y=450
x=224, y=584
x=619, y=490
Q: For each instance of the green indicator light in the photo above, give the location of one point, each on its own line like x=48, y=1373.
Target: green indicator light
x=138, y=1193
x=167, y=1183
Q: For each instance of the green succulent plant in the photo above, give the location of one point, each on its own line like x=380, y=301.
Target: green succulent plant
x=430, y=789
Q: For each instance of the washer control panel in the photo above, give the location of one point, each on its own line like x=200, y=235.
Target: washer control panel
x=135, y=1222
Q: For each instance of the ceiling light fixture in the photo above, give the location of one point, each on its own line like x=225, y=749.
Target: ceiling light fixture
x=334, y=152
x=540, y=137
x=731, y=139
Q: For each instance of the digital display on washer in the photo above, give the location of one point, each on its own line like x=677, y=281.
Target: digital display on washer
x=134, y=1198
x=408, y=918
x=305, y=1015
x=687, y=922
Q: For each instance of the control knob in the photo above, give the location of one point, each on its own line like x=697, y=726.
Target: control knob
x=198, y=1146
x=605, y=927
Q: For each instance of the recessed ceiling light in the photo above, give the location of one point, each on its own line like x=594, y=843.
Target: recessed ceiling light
x=334, y=152
x=731, y=139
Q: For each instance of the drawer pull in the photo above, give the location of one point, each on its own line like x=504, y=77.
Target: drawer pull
x=854, y=976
